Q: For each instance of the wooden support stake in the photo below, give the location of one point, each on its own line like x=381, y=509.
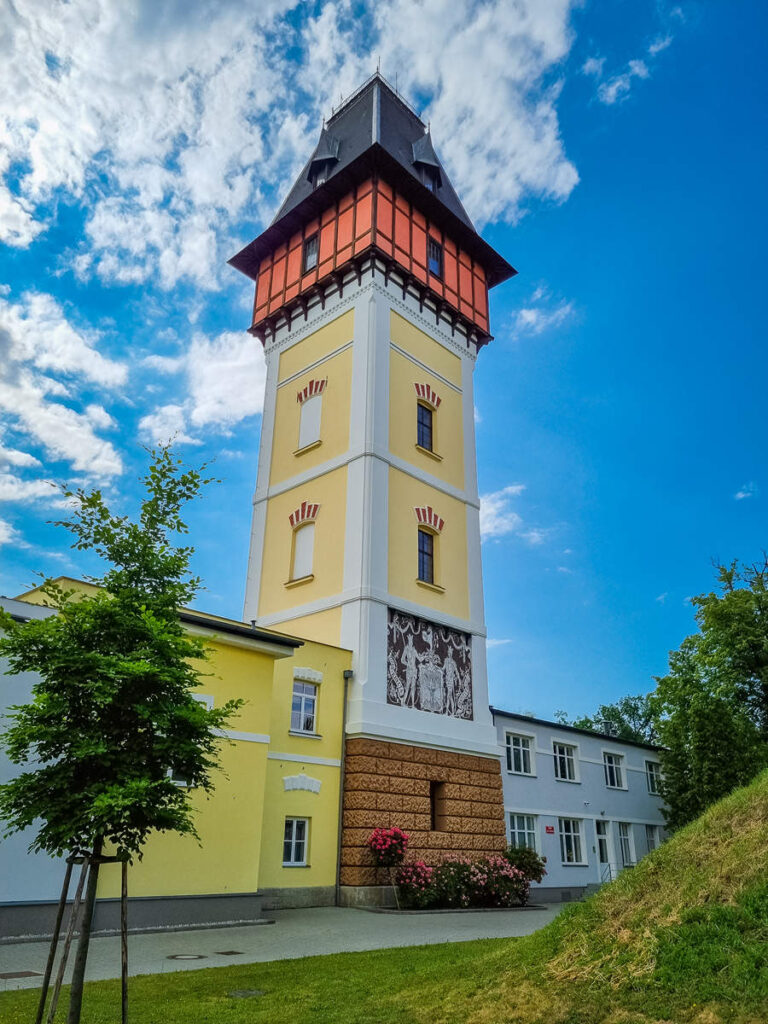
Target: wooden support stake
x=124, y=942
x=68, y=941
x=54, y=941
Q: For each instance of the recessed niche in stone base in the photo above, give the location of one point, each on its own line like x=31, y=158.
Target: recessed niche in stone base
x=429, y=667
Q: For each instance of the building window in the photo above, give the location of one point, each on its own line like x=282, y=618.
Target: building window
x=519, y=759
x=602, y=841
x=437, y=810
x=614, y=773
x=303, y=551
x=304, y=707
x=653, y=776
x=430, y=176
x=570, y=840
x=426, y=556
x=424, y=426
x=625, y=844
x=435, y=257
x=311, y=247
x=309, y=420
x=522, y=830
x=651, y=837
x=565, y=762
x=295, y=842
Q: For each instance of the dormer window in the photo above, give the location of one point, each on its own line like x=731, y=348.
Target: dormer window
x=430, y=177
x=311, y=246
x=435, y=257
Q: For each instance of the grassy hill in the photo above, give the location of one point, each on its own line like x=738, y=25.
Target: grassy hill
x=682, y=937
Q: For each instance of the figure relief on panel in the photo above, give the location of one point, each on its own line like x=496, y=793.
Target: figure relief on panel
x=429, y=667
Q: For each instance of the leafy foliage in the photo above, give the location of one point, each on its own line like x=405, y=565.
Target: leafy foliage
x=712, y=706
x=113, y=714
x=630, y=718
x=528, y=861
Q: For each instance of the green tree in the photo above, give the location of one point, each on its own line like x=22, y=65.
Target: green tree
x=711, y=708
x=113, y=714
x=630, y=718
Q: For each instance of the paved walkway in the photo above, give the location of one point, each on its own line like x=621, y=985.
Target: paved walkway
x=295, y=933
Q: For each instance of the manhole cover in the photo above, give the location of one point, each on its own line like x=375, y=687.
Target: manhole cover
x=246, y=993
x=9, y=975
x=187, y=956
x=229, y=952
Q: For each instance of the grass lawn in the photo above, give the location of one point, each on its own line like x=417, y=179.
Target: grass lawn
x=683, y=937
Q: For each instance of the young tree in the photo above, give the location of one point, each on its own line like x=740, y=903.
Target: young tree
x=629, y=718
x=113, y=714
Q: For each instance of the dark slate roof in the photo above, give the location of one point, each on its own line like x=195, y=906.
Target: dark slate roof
x=497, y=712
x=375, y=114
x=374, y=130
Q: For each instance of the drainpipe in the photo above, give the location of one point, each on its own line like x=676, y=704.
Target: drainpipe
x=348, y=676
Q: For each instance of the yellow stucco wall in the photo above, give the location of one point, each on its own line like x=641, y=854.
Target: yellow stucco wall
x=447, y=421
x=325, y=626
x=320, y=808
x=334, y=427
x=425, y=349
x=317, y=345
x=405, y=493
x=330, y=490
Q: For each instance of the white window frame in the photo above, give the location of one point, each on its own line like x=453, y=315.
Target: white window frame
x=310, y=419
x=629, y=840
x=654, y=832
x=302, y=714
x=531, y=829
x=303, y=558
x=293, y=863
x=654, y=776
x=605, y=836
x=574, y=747
x=617, y=768
x=564, y=834
x=531, y=741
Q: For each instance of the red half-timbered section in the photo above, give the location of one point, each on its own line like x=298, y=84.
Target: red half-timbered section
x=372, y=217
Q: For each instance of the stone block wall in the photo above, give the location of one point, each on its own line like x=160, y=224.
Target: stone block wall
x=387, y=784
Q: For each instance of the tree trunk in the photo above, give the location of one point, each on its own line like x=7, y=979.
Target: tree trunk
x=78, y=973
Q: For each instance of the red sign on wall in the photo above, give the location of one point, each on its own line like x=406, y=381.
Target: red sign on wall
x=549, y=829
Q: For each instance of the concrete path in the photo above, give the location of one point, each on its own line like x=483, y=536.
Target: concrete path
x=295, y=933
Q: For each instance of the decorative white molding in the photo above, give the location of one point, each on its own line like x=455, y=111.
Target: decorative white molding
x=427, y=395
x=305, y=513
x=308, y=675
x=330, y=762
x=246, y=737
x=301, y=781
x=314, y=387
x=427, y=516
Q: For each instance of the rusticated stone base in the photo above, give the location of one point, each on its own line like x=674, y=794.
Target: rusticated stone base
x=387, y=784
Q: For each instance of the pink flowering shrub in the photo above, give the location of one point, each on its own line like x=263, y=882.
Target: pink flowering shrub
x=461, y=883
x=388, y=846
x=414, y=883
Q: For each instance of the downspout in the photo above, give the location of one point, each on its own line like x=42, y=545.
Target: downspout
x=348, y=675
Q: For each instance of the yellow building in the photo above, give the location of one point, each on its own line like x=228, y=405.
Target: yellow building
x=280, y=780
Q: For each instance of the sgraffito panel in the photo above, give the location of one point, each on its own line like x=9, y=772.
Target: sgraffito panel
x=429, y=667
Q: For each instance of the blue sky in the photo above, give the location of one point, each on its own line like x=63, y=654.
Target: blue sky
x=615, y=152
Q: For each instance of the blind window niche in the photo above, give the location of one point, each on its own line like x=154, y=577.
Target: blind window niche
x=303, y=551
x=309, y=422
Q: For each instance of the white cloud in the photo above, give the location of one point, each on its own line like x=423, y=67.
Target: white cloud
x=749, y=490
x=659, y=44
x=224, y=379
x=43, y=357
x=8, y=533
x=497, y=643
x=619, y=86
x=540, y=314
x=662, y=597
x=564, y=569
x=593, y=66
x=180, y=122
x=13, y=457
x=13, y=488
x=497, y=517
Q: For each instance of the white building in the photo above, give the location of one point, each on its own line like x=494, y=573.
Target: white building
x=586, y=801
